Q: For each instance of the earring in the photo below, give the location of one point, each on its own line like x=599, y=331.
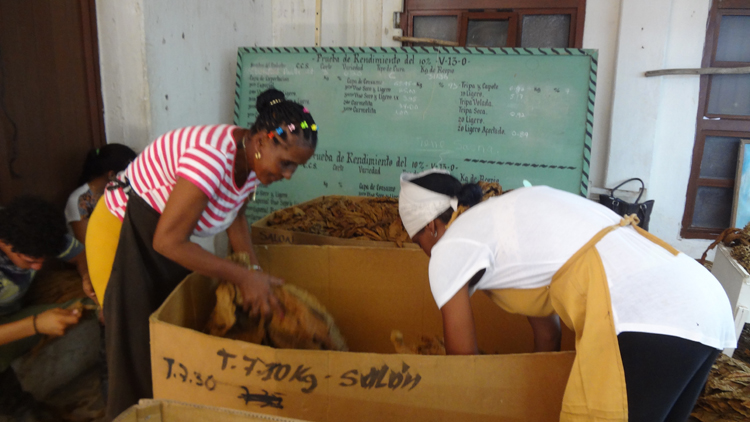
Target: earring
x=434, y=234
x=257, y=155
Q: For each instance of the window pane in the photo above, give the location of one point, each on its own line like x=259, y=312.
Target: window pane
x=713, y=207
x=730, y=94
x=487, y=33
x=719, y=157
x=438, y=27
x=733, y=35
x=545, y=31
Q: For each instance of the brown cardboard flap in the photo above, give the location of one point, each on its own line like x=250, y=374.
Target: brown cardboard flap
x=174, y=411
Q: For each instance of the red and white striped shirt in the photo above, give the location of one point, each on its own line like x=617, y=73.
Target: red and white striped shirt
x=203, y=155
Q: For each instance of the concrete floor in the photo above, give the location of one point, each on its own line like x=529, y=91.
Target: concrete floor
x=65, y=373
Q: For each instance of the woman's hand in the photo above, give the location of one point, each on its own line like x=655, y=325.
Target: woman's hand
x=257, y=295
x=55, y=321
x=88, y=288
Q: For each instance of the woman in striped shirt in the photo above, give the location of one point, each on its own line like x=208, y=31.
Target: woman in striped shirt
x=190, y=181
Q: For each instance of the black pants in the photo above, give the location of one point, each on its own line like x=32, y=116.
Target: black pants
x=664, y=375
x=141, y=280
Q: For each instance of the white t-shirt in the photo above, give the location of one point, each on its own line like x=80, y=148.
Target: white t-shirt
x=523, y=237
x=80, y=204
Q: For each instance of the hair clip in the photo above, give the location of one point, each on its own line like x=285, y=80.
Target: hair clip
x=305, y=110
x=314, y=127
x=276, y=101
x=303, y=125
x=279, y=130
x=291, y=127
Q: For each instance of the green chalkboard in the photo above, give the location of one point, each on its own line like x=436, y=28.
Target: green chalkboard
x=501, y=114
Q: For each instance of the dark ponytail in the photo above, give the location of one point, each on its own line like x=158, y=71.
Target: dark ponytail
x=100, y=161
x=468, y=194
x=274, y=112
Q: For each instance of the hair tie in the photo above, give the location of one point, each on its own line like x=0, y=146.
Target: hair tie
x=303, y=125
x=279, y=130
x=270, y=134
x=314, y=127
x=276, y=101
x=305, y=110
x=291, y=127
x=97, y=151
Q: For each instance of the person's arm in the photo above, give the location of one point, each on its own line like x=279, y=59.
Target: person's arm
x=172, y=239
x=83, y=269
x=239, y=235
x=547, y=333
x=79, y=229
x=53, y=322
x=458, y=325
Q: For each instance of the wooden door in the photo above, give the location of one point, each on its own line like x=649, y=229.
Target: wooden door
x=50, y=96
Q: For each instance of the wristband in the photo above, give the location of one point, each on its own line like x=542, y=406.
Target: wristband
x=33, y=322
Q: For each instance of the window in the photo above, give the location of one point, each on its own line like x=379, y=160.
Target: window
x=723, y=120
x=497, y=23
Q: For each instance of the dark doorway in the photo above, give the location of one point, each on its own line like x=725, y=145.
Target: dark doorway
x=50, y=96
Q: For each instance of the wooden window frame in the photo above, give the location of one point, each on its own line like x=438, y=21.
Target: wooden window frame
x=575, y=8
x=465, y=17
x=728, y=125
x=456, y=13
x=573, y=18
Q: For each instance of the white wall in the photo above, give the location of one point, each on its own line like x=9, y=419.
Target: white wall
x=154, y=80
x=192, y=55
x=653, y=119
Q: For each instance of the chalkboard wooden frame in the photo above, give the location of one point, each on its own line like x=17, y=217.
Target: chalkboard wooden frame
x=279, y=69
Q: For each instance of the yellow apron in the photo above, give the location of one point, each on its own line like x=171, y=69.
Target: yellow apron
x=579, y=293
x=102, y=237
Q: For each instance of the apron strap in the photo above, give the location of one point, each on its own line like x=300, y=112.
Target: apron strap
x=633, y=220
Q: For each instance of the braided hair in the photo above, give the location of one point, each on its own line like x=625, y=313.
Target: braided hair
x=468, y=194
x=274, y=112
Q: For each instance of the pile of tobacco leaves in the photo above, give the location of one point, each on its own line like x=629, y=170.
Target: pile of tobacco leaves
x=353, y=217
x=726, y=396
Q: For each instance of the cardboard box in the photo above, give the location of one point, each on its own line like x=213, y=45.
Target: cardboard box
x=172, y=411
x=263, y=234
x=369, y=291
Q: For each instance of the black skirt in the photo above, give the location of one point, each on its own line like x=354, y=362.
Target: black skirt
x=140, y=282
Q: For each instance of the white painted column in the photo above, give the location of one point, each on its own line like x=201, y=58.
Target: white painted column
x=642, y=41
x=123, y=69
x=600, y=32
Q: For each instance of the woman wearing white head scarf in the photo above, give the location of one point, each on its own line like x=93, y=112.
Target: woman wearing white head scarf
x=649, y=321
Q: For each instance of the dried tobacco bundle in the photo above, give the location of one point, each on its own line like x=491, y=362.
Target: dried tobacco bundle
x=346, y=218
x=354, y=218
x=427, y=345
x=726, y=396
x=490, y=189
x=306, y=324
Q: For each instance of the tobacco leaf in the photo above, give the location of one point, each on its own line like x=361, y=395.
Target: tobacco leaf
x=427, y=345
x=305, y=324
x=726, y=396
